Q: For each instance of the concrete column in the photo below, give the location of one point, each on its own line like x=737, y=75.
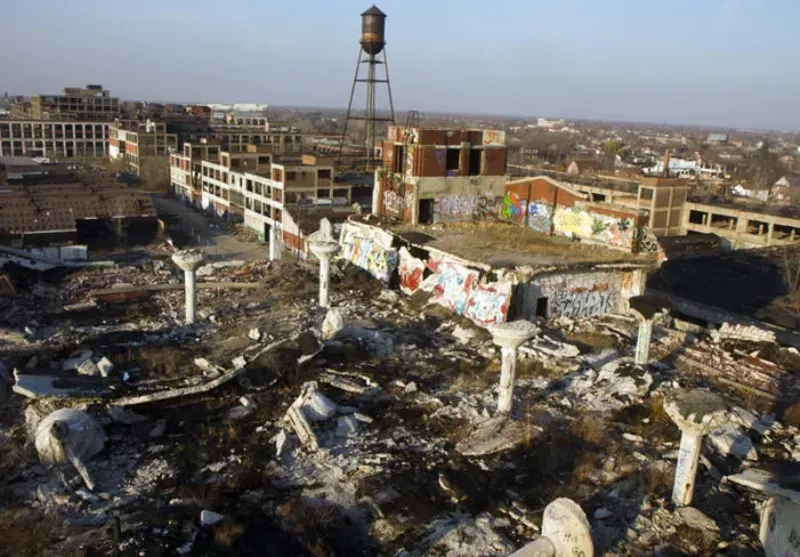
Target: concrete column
x=565, y=533
x=647, y=309
x=694, y=412
x=274, y=248
x=509, y=337
x=324, y=246
x=705, y=219
x=189, y=261
x=643, y=342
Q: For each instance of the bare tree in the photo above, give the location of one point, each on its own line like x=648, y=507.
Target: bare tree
x=154, y=173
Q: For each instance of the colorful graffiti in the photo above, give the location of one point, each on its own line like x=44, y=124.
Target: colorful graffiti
x=411, y=270
x=577, y=222
x=540, y=216
x=494, y=137
x=458, y=288
x=513, y=207
x=489, y=304
x=454, y=207
x=369, y=255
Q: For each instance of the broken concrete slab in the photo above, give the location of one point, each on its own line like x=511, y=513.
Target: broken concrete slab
x=729, y=440
x=495, y=435
x=346, y=426
x=209, y=518
x=44, y=386
x=76, y=359
x=105, y=366
x=779, y=483
x=315, y=405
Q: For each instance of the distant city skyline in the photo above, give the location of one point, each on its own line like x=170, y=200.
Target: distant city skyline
x=717, y=63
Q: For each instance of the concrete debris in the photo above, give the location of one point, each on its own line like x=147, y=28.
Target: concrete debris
x=410, y=387
x=464, y=335
x=617, y=384
x=210, y=269
x=346, y=425
x=88, y=367
x=124, y=416
x=546, y=346
x=302, y=427
x=495, y=435
x=750, y=333
x=76, y=359
x=209, y=518
x=254, y=334
x=105, y=366
x=333, y=323
x=729, y=440
x=314, y=405
x=70, y=436
x=45, y=386
x=280, y=442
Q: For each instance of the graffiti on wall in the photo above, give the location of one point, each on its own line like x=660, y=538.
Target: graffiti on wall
x=369, y=255
x=488, y=303
x=494, y=137
x=454, y=207
x=393, y=202
x=513, y=207
x=580, y=302
x=458, y=288
x=411, y=270
x=540, y=216
x=577, y=222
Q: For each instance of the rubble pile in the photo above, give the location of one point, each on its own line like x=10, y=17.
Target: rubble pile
x=275, y=426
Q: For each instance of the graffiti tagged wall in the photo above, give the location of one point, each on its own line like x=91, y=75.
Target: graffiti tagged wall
x=540, y=216
x=577, y=222
x=457, y=207
x=411, y=271
x=368, y=254
x=513, y=207
x=459, y=288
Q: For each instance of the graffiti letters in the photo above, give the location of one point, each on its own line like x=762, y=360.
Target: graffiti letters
x=513, y=207
x=411, y=270
x=459, y=289
x=454, y=207
x=369, y=255
x=577, y=222
x=540, y=216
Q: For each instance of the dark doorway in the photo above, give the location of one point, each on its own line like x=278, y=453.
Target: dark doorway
x=541, y=307
x=267, y=228
x=453, y=159
x=425, y=211
x=475, y=162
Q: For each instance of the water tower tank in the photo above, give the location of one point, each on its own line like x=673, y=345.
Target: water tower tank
x=373, y=22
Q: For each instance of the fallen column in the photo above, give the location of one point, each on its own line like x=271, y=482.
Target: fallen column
x=694, y=412
x=647, y=309
x=189, y=261
x=509, y=337
x=69, y=436
x=324, y=246
x=565, y=533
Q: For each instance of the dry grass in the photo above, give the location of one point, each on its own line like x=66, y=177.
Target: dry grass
x=791, y=416
x=226, y=533
x=157, y=362
x=590, y=429
x=585, y=468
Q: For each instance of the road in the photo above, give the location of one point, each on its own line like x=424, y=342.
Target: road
x=216, y=243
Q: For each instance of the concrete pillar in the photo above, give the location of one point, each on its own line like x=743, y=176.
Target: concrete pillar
x=643, y=342
x=647, y=309
x=509, y=337
x=705, y=219
x=694, y=412
x=760, y=229
x=565, y=533
x=274, y=247
x=189, y=261
x=324, y=246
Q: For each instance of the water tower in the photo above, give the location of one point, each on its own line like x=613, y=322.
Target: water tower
x=373, y=23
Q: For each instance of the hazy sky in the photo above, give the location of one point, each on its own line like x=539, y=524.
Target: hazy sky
x=716, y=62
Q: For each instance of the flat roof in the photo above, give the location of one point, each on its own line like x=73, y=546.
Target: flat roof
x=509, y=245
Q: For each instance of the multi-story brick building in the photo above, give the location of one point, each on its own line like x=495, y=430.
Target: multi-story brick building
x=268, y=192
x=91, y=104
x=53, y=139
x=432, y=175
x=135, y=142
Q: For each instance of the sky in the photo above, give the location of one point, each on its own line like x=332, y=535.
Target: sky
x=732, y=63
